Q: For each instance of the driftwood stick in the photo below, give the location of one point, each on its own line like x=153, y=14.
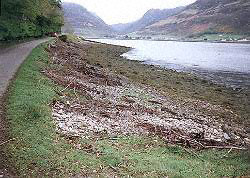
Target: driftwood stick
x=190, y=152
x=188, y=139
x=226, y=147
x=227, y=153
x=76, y=93
x=67, y=86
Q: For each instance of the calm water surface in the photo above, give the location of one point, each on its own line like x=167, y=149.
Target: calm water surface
x=223, y=63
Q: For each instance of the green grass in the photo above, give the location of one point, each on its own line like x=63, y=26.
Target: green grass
x=38, y=151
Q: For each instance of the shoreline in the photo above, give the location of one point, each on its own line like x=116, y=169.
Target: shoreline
x=187, y=41
x=198, y=82
x=90, y=112
x=200, y=72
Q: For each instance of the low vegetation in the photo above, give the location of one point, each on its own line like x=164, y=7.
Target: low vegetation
x=37, y=149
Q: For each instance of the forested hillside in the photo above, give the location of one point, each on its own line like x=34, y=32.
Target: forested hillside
x=29, y=18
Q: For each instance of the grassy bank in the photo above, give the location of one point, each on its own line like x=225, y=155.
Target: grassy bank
x=39, y=151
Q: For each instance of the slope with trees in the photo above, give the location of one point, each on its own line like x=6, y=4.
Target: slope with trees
x=29, y=18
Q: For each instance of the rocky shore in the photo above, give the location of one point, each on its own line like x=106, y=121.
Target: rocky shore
x=100, y=98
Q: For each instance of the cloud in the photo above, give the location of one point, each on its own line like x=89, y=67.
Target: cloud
x=123, y=11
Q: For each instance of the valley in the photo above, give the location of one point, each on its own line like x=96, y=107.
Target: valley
x=145, y=88
x=204, y=20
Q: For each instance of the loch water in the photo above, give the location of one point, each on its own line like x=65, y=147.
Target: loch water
x=222, y=63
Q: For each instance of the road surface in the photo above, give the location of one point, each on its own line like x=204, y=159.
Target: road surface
x=11, y=58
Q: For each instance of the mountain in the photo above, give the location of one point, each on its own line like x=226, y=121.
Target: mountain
x=197, y=19
x=83, y=22
x=205, y=17
x=122, y=28
x=150, y=17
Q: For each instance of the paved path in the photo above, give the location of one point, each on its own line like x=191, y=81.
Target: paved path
x=10, y=60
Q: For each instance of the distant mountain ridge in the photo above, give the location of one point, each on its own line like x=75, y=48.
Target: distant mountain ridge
x=205, y=16
x=150, y=17
x=82, y=22
x=201, y=17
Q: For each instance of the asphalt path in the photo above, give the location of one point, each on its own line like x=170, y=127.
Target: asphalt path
x=11, y=58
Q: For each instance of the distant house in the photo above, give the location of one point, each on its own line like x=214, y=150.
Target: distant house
x=242, y=40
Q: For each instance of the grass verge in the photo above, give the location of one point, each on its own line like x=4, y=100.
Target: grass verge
x=39, y=151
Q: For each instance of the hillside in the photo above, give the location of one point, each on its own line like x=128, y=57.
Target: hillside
x=205, y=17
x=24, y=19
x=150, y=17
x=83, y=22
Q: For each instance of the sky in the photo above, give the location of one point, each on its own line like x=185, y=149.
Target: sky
x=124, y=11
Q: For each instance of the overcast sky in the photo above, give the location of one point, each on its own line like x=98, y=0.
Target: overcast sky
x=123, y=11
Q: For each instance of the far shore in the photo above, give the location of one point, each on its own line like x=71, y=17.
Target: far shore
x=177, y=40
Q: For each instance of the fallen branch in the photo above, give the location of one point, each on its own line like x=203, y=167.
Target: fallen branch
x=226, y=147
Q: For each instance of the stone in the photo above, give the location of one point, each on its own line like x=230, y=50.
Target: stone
x=60, y=111
x=247, y=130
x=226, y=136
x=65, y=116
x=61, y=125
x=247, y=140
x=56, y=115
